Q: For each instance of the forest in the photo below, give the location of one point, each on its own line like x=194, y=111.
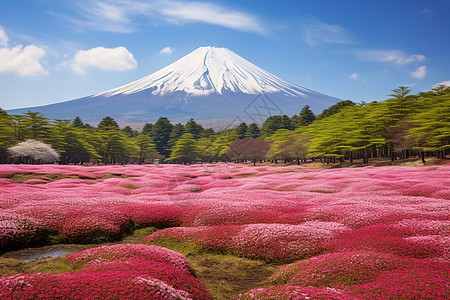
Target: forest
x=403, y=126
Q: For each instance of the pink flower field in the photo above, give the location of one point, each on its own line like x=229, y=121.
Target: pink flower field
x=350, y=233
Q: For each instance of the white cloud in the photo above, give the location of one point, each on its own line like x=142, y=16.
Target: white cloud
x=203, y=12
x=114, y=59
x=446, y=83
x=3, y=38
x=25, y=61
x=119, y=15
x=392, y=56
x=419, y=73
x=166, y=50
x=354, y=76
x=318, y=32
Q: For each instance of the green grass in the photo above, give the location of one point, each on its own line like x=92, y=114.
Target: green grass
x=225, y=276
x=130, y=186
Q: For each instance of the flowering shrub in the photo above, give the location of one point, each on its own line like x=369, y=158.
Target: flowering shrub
x=17, y=231
x=142, y=272
x=294, y=293
x=420, y=281
x=337, y=270
x=99, y=255
x=269, y=242
x=156, y=215
x=388, y=239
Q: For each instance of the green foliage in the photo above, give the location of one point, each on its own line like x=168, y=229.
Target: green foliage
x=333, y=109
x=253, y=130
x=194, y=128
x=305, y=117
x=160, y=134
x=147, y=129
x=108, y=123
x=431, y=124
x=6, y=131
x=273, y=123
x=130, y=132
x=185, y=148
x=177, y=131
x=242, y=130
x=144, y=146
x=400, y=92
x=77, y=122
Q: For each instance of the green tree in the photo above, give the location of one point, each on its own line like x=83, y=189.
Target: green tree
x=253, y=130
x=177, y=131
x=77, y=122
x=401, y=92
x=306, y=116
x=335, y=108
x=7, y=138
x=431, y=125
x=144, y=146
x=108, y=123
x=241, y=130
x=185, y=149
x=222, y=143
x=194, y=128
x=147, y=129
x=71, y=142
x=113, y=146
x=130, y=132
x=161, y=135
x=279, y=138
x=207, y=133
x=274, y=123
x=19, y=127
x=204, y=148
x=38, y=125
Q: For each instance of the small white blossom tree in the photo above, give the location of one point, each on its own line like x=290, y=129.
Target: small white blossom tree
x=33, y=150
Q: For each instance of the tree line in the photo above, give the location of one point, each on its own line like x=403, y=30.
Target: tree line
x=400, y=127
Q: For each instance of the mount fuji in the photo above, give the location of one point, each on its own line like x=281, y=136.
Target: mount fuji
x=213, y=85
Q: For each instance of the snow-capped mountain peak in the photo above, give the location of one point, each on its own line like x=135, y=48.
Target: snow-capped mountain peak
x=209, y=70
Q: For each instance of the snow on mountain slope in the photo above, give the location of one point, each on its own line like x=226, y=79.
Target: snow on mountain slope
x=210, y=70
x=212, y=85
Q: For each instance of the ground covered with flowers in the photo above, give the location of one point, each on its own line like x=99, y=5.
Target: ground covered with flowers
x=350, y=233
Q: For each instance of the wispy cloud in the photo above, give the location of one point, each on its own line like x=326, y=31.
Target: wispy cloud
x=3, y=38
x=419, y=73
x=446, y=83
x=178, y=12
x=166, y=50
x=354, y=76
x=110, y=59
x=24, y=61
x=318, y=32
x=121, y=15
x=391, y=56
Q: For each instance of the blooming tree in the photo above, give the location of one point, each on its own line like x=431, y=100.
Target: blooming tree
x=35, y=150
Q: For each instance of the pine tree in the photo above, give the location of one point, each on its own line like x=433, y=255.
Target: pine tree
x=253, y=130
x=306, y=116
x=185, y=149
x=241, y=130
x=161, y=135
x=194, y=128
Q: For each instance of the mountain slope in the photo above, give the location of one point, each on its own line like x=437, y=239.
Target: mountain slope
x=210, y=83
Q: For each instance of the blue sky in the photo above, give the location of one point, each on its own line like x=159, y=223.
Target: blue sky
x=58, y=50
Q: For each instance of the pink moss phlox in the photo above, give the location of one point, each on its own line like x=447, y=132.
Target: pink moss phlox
x=112, y=272
x=295, y=293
